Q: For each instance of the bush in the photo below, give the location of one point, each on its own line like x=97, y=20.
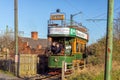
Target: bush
x=93, y=60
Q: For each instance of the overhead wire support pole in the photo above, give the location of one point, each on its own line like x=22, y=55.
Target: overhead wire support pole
x=109, y=41
x=16, y=35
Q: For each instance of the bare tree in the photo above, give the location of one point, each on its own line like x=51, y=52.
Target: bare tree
x=117, y=27
x=6, y=40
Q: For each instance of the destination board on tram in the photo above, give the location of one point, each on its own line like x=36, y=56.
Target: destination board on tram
x=57, y=17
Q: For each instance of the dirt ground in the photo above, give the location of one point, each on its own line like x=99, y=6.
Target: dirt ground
x=4, y=76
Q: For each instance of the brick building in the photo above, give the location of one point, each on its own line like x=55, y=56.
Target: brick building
x=33, y=45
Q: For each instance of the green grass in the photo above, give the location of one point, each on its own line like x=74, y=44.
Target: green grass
x=7, y=73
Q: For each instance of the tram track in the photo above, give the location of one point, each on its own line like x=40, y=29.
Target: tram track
x=48, y=77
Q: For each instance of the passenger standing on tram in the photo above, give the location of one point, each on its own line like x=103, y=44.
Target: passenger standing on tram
x=53, y=47
x=58, y=48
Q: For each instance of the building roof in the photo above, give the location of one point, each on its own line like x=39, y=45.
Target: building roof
x=34, y=43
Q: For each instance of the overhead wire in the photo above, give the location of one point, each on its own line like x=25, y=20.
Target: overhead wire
x=103, y=14
x=72, y=6
x=100, y=15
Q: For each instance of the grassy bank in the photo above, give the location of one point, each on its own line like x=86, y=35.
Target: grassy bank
x=91, y=76
x=96, y=73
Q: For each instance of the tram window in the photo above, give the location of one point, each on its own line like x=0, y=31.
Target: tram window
x=77, y=47
x=68, y=47
x=82, y=48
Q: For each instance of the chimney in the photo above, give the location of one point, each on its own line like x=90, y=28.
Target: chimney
x=34, y=35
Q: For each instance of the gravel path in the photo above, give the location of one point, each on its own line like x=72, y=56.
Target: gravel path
x=4, y=76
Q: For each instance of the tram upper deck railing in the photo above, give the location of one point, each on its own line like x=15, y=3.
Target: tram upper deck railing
x=63, y=23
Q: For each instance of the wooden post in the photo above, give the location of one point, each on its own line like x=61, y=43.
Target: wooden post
x=63, y=71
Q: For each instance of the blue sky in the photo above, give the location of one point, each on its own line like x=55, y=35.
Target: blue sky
x=33, y=15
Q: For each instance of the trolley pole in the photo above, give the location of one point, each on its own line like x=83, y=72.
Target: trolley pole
x=16, y=35
x=109, y=41
x=71, y=17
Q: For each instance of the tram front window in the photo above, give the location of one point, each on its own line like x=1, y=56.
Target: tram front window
x=56, y=48
x=68, y=47
x=61, y=46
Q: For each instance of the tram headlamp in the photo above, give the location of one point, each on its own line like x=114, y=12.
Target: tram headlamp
x=56, y=60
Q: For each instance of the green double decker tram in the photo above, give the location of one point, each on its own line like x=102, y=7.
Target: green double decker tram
x=67, y=41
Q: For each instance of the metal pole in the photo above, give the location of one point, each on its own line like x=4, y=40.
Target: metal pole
x=16, y=35
x=71, y=17
x=109, y=41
